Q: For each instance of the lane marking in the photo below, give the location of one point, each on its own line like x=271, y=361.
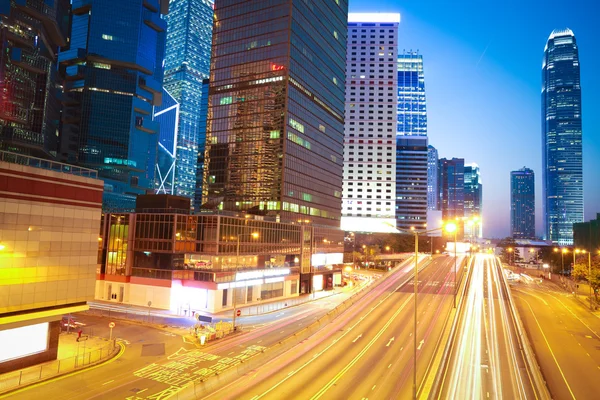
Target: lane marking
x=550, y=348
x=390, y=342
x=106, y=383
x=358, y=337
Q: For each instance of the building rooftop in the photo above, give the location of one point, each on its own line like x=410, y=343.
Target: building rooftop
x=15, y=158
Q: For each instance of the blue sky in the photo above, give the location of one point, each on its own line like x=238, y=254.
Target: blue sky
x=483, y=68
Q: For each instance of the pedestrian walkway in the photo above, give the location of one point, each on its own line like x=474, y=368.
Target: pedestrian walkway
x=72, y=355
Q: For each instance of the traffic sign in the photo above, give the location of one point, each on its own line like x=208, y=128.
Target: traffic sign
x=111, y=325
x=238, y=313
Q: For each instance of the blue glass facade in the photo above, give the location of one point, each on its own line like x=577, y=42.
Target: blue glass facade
x=452, y=190
x=187, y=63
x=275, y=125
x=522, y=204
x=167, y=116
x=433, y=167
x=31, y=33
x=114, y=78
x=473, y=203
x=561, y=137
x=412, y=105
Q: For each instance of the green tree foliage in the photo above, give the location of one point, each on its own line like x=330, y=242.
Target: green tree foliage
x=581, y=271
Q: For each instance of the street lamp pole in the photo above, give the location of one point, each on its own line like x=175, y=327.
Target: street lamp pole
x=416, y=285
x=455, y=281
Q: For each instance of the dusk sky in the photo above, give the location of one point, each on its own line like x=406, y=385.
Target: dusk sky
x=483, y=71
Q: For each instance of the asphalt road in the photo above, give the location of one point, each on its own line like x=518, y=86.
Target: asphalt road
x=366, y=352
x=155, y=362
x=565, y=337
x=485, y=359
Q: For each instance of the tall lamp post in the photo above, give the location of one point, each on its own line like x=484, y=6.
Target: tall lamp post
x=450, y=227
x=253, y=235
x=510, y=250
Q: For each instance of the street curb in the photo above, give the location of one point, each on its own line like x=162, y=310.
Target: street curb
x=117, y=352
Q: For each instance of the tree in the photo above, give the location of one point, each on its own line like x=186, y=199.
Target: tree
x=581, y=271
x=509, y=253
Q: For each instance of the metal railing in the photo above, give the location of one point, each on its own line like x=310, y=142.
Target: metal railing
x=29, y=161
x=27, y=376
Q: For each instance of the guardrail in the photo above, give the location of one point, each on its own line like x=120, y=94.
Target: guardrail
x=28, y=376
x=532, y=366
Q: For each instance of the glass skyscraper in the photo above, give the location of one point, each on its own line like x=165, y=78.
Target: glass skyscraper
x=31, y=33
x=522, y=204
x=411, y=144
x=187, y=63
x=473, y=196
x=433, y=167
x=452, y=190
x=203, y=115
x=275, y=125
x=561, y=138
x=167, y=116
x=114, y=71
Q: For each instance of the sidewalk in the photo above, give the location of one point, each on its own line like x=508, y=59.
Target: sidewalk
x=72, y=355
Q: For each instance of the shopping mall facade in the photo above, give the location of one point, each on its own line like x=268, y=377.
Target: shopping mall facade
x=163, y=256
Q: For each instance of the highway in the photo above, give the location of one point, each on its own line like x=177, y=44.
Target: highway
x=159, y=365
x=565, y=336
x=367, y=352
x=485, y=359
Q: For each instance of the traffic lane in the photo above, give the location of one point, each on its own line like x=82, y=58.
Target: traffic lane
x=566, y=349
x=513, y=368
x=349, y=348
x=392, y=369
x=146, y=346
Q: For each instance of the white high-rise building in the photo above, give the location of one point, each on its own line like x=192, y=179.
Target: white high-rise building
x=369, y=193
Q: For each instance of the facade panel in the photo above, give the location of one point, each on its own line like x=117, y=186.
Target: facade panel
x=522, y=204
x=369, y=191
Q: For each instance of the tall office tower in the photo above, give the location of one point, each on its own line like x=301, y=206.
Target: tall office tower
x=276, y=109
x=31, y=33
x=369, y=134
x=411, y=144
x=114, y=78
x=522, y=204
x=562, y=168
x=167, y=116
x=452, y=190
x=433, y=166
x=203, y=115
x=473, y=203
x=187, y=63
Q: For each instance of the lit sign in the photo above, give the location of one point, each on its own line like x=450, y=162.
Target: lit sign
x=242, y=276
x=23, y=341
x=276, y=67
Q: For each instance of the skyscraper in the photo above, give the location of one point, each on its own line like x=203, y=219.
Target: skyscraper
x=276, y=109
x=31, y=33
x=114, y=73
x=473, y=200
x=452, y=189
x=411, y=144
x=167, y=116
x=433, y=167
x=522, y=204
x=203, y=115
x=369, y=137
x=562, y=171
x=187, y=63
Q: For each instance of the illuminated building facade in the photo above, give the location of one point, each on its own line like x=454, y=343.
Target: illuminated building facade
x=188, y=262
x=433, y=173
x=114, y=74
x=411, y=144
x=368, y=202
x=522, y=204
x=276, y=110
x=473, y=203
x=167, y=117
x=48, y=253
x=31, y=33
x=202, y=145
x=187, y=64
x=452, y=190
x=562, y=157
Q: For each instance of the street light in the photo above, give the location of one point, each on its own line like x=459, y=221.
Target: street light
x=2, y=247
x=510, y=250
x=364, y=246
x=253, y=235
